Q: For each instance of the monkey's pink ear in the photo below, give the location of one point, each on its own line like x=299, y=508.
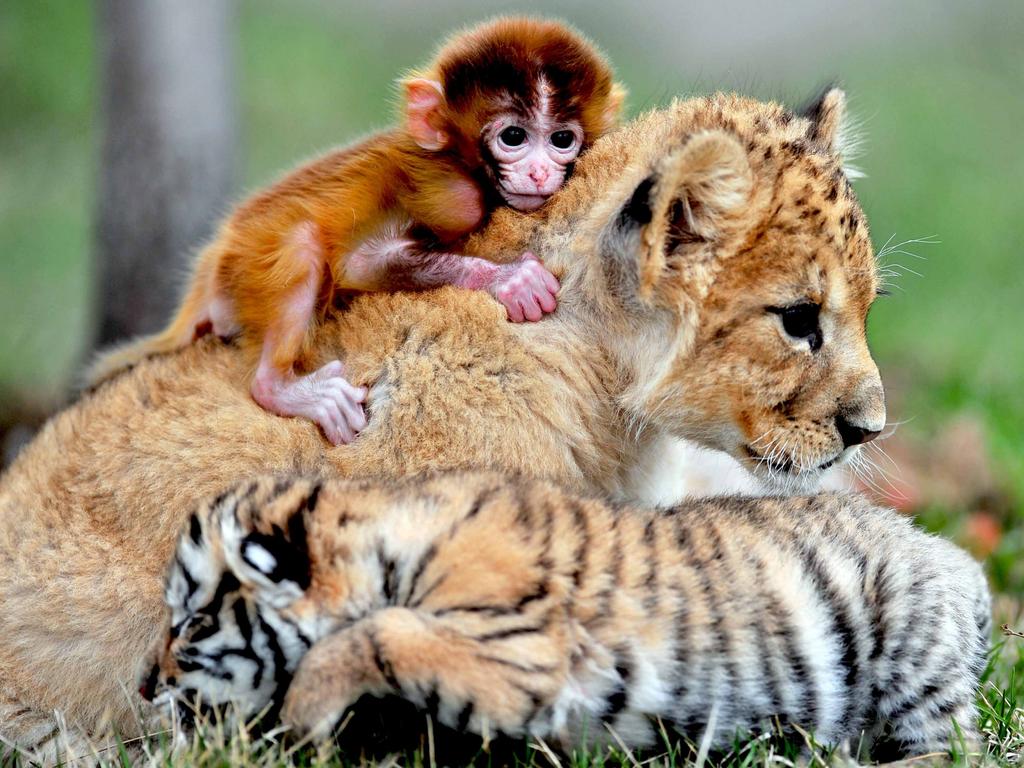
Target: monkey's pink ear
x=424, y=100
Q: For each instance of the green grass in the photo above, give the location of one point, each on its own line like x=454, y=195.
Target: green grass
x=213, y=743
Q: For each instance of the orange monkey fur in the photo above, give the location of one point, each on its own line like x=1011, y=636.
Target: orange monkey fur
x=306, y=226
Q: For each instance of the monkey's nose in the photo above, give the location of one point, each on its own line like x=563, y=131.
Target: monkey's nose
x=538, y=174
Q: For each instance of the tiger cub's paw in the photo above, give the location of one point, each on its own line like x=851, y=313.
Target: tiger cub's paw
x=310, y=714
x=327, y=682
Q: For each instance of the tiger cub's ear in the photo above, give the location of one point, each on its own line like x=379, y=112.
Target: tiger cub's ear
x=266, y=545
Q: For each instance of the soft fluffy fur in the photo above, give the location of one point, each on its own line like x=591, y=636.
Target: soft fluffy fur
x=514, y=608
x=674, y=239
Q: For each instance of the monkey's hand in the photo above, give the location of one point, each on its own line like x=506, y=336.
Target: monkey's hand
x=324, y=396
x=526, y=289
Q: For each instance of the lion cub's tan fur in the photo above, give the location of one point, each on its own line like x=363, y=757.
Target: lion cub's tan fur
x=674, y=239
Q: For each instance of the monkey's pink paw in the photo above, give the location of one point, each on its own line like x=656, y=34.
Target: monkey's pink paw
x=526, y=289
x=324, y=396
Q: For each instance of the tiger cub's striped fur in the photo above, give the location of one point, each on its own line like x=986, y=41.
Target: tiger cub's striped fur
x=513, y=607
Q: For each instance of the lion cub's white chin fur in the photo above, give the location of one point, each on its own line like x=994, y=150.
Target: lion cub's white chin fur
x=672, y=469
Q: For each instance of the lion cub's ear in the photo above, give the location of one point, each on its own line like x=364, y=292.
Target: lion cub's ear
x=832, y=129
x=827, y=114
x=695, y=195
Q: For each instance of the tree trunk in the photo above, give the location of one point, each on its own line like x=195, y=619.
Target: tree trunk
x=168, y=101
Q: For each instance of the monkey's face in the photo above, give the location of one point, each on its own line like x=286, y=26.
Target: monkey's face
x=530, y=156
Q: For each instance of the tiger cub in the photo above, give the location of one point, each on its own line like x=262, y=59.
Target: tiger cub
x=510, y=607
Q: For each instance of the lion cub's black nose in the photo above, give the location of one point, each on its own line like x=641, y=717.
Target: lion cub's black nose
x=853, y=434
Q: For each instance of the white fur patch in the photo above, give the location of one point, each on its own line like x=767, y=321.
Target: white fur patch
x=258, y=557
x=849, y=145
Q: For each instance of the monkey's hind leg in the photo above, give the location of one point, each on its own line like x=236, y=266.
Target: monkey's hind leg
x=324, y=396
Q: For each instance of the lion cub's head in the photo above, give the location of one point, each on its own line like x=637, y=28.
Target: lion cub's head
x=737, y=272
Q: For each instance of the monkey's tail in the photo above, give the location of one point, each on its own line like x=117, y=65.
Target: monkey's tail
x=187, y=325
x=111, y=361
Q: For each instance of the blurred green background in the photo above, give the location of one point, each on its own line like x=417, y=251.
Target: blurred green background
x=937, y=86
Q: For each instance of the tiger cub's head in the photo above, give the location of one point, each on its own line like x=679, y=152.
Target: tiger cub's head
x=242, y=559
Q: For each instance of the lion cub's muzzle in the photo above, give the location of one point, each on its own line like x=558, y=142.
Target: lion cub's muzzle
x=862, y=420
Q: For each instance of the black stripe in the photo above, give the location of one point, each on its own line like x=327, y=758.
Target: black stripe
x=536, y=701
x=195, y=529
x=204, y=631
x=291, y=556
x=618, y=555
x=425, y=560
x=605, y=597
x=503, y=634
x=651, y=598
x=478, y=503
x=228, y=583
x=281, y=486
x=615, y=702
x=188, y=665
x=549, y=531
x=530, y=669
x=382, y=664
x=915, y=701
x=539, y=593
x=618, y=697
x=389, y=576
x=683, y=650
x=807, y=708
x=493, y=610
x=418, y=601
x=524, y=515
x=462, y=721
x=146, y=690
x=281, y=674
x=770, y=674
x=878, y=601
x=432, y=702
x=836, y=604
x=241, y=614
x=299, y=538
x=313, y=497
x=581, y=556
x=190, y=583
x=301, y=636
x=722, y=643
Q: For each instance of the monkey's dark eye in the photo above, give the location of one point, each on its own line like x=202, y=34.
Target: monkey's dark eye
x=563, y=139
x=801, y=322
x=512, y=136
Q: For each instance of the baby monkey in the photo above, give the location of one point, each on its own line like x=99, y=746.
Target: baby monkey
x=498, y=118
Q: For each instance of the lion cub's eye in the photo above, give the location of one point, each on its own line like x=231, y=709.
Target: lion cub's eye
x=801, y=322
